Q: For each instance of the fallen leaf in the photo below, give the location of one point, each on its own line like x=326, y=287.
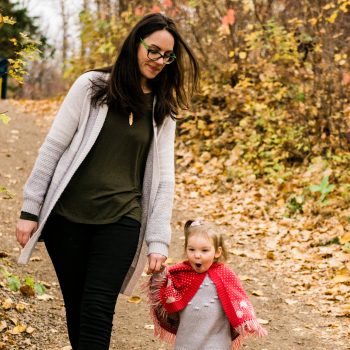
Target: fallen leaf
x=30, y=330
x=45, y=297
x=341, y=279
x=18, y=329
x=271, y=255
x=3, y=325
x=27, y=290
x=149, y=326
x=345, y=238
x=20, y=307
x=7, y=304
x=258, y=293
x=35, y=258
x=245, y=278
x=134, y=299
x=262, y=321
x=14, y=320
x=346, y=78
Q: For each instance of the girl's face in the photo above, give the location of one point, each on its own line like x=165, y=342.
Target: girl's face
x=201, y=252
x=160, y=41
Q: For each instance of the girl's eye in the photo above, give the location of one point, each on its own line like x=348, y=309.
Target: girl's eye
x=154, y=52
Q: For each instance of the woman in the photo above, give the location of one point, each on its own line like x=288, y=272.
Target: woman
x=100, y=194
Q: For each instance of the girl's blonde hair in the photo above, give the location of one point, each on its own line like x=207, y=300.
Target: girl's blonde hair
x=208, y=230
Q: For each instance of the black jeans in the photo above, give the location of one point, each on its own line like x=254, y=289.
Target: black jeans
x=91, y=262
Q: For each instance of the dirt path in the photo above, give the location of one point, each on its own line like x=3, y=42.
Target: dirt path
x=291, y=325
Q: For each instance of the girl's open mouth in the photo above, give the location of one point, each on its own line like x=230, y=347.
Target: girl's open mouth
x=198, y=265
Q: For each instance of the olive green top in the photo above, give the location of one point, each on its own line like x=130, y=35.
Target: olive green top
x=108, y=183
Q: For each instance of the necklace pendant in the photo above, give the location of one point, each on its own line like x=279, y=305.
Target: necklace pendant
x=131, y=119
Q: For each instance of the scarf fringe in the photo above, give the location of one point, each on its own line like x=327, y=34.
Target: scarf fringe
x=151, y=289
x=249, y=328
x=162, y=333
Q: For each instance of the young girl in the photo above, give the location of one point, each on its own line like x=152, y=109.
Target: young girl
x=200, y=303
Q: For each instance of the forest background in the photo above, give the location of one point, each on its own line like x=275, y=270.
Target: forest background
x=265, y=146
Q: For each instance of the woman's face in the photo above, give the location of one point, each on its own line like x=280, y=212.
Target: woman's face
x=161, y=41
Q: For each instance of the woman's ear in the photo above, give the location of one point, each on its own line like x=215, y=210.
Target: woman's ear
x=218, y=253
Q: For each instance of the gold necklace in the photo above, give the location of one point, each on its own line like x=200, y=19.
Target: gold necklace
x=131, y=119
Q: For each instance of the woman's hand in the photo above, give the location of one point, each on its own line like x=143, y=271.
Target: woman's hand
x=155, y=263
x=25, y=230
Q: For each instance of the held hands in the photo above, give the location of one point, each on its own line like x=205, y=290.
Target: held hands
x=25, y=230
x=156, y=263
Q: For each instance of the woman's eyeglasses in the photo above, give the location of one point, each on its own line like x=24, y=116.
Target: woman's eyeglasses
x=155, y=55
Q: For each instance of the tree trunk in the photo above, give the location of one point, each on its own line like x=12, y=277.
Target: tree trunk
x=64, y=16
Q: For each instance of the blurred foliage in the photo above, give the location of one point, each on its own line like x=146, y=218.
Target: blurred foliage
x=275, y=76
x=15, y=37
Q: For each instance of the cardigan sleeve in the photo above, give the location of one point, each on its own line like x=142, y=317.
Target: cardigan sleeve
x=56, y=142
x=158, y=232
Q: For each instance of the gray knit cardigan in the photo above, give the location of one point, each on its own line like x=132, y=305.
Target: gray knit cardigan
x=72, y=134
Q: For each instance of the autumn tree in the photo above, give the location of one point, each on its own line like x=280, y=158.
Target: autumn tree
x=12, y=34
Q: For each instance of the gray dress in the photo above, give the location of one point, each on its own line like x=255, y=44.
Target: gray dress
x=203, y=323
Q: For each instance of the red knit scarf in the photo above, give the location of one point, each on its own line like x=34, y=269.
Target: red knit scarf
x=171, y=291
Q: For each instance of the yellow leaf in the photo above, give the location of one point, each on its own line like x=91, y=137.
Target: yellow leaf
x=313, y=21
x=333, y=17
x=344, y=272
x=345, y=238
x=337, y=57
x=344, y=7
x=18, y=329
x=201, y=124
x=328, y=7
x=9, y=20
x=20, y=307
x=7, y=304
x=242, y=55
x=4, y=118
x=134, y=299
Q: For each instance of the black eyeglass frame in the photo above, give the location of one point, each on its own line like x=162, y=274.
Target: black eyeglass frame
x=167, y=58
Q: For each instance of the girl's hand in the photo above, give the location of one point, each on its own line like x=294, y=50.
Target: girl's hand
x=25, y=230
x=155, y=263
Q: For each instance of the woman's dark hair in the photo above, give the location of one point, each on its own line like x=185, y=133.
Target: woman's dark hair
x=172, y=86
